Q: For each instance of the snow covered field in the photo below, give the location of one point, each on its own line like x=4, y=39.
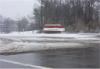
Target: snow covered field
x=30, y=41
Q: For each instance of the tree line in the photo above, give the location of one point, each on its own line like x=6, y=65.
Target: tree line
x=75, y=15
x=8, y=25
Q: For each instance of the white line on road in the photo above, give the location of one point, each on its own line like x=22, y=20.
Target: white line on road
x=23, y=64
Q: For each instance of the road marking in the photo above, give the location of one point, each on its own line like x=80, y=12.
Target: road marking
x=23, y=64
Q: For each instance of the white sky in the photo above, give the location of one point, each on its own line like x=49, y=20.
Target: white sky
x=17, y=8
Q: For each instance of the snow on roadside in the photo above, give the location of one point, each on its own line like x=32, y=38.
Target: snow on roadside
x=19, y=41
x=29, y=36
x=28, y=33
x=26, y=47
x=31, y=33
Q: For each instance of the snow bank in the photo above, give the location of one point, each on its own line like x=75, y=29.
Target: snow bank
x=34, y=34
x=30, y=37
x=27, y=41
x=26, y=47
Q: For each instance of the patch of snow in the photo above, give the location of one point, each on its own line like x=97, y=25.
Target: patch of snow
x=34, y=34
x=88, y=38
x=26, y=47
x=28, y=41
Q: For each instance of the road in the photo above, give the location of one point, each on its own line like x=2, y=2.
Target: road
x=65, y=58
x=86, y=56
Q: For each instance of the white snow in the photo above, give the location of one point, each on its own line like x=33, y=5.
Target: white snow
x=35, y=34
x=29, y=33
x=32, y=41
x=26, y=47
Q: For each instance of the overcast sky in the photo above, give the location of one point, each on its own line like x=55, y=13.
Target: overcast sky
x=17, y=8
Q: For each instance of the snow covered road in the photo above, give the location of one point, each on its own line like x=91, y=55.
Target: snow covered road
x=15, y=43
